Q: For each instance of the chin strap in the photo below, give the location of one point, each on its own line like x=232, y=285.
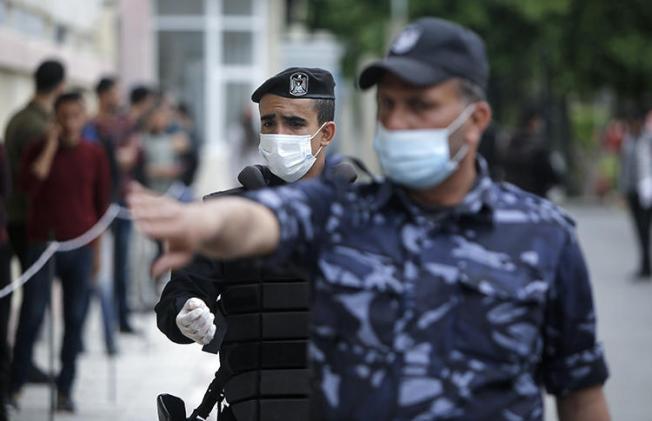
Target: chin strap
x=214, y=395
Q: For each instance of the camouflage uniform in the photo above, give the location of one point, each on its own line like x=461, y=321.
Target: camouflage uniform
x=423, y=313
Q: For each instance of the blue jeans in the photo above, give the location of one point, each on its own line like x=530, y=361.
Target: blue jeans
x=104, y=292
x=102, y=289
x=121, y=235
x=74, y=269
x=5, y=307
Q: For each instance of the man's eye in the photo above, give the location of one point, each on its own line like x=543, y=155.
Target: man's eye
x=419, y=106
x=267, y=124
x=386, y=104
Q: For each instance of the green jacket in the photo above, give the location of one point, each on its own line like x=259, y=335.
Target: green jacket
x=27, y=125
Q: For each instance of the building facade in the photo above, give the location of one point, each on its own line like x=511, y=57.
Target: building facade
x=81, y=33
x=213, y=53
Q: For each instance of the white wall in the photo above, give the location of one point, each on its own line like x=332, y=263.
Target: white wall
x=21, y=52
x=136, y=42
x=15, y=88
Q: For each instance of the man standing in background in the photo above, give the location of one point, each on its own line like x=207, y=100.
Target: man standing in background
x=5, y=279
x=636, y=185
x=115, y=132
x=67, y=183
x=141, y=100
x=26, y=126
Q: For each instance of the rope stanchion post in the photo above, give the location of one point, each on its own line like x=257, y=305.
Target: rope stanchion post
x=52, y=384
x=113, y=380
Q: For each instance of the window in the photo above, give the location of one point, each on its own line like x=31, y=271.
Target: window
x=180, y=7
x=181, y=69
x=237, y=97
x=4, y=9
x=237, y=48
x=29, y=23
x=238, y=7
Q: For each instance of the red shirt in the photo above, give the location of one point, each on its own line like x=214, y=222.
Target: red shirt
x=4, y=192
x=73, y=196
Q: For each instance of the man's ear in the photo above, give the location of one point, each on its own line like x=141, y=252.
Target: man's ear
x=479, y=121
x=327, y=133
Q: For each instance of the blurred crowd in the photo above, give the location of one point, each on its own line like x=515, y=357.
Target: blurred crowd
x=623, y=166
x=626, y=166
x=61, y=166
x=524, y=156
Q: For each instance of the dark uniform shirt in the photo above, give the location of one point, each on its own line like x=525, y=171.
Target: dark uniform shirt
x=420, y=314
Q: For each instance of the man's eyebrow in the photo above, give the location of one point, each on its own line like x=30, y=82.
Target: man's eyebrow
x=419, y=98
x=268, y=117
x=294, y=119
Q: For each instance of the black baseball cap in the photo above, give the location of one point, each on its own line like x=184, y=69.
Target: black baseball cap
x=298, y=82
x=429, y=51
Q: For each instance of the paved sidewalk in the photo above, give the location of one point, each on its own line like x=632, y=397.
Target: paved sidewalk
x=147, y=365
x=624, y=309
x=150, y=364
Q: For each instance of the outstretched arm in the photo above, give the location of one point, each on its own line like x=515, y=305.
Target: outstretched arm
x=584, y=405
x=224, y=228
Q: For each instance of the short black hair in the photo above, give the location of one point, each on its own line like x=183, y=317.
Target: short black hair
x=48, y=75
x=325, y=110
x=67, y=97
x=139, y=93
x=470, y=91
x=105, y=84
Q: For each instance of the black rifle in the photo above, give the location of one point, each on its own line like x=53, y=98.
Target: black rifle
x=172, y=408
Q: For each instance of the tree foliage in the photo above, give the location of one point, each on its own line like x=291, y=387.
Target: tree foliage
x=537, y=49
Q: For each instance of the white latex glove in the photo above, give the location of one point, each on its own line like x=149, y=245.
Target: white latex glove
x=195, y=321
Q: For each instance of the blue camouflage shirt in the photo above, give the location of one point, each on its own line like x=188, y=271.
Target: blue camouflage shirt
x=458, y=313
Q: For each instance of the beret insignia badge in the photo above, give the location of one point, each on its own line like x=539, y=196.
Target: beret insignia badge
x=298, y=84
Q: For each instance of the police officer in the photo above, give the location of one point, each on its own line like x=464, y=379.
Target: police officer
x=438, y=294
x=262, y=315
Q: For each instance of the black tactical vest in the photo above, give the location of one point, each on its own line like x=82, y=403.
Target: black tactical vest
x=264, y=353
x=265, y=347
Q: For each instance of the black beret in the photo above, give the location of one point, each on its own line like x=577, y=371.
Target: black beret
x=298, y=82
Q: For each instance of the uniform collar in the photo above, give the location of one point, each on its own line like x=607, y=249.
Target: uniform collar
x=273, y=180
x=478, y=204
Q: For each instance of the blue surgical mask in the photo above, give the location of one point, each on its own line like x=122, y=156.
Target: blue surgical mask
x=419, y=159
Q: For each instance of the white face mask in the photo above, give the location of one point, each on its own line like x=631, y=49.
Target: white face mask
x=288, y=157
